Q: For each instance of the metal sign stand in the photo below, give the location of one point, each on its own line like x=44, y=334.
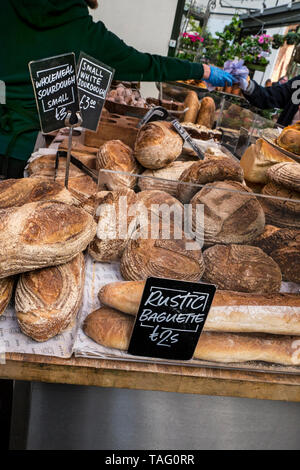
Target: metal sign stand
x=71, y=127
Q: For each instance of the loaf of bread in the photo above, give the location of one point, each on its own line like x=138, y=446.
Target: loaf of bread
x=42, y=234
x=113, y=216
x=241, y=268
x=206, y=115
x=192, y=103
x=113, y=329
x=82, y=186
x=44, y=167
x=286, y=174
x=153, y=205
x=232, y=214
x=17, y=192
x=87, y=155
x=143, y=258
x=197, y=131
x=289, y=139
x=114, y=155
x=283, y=245
x=231, y=311
x=207, y=171
x=283, y=212
x=258, y=158
x=157, y=145
x=165, y=178
x=6, y=288
x=48, y=300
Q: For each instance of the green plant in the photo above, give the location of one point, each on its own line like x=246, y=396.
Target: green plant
x=278, y=41
x=292, y=37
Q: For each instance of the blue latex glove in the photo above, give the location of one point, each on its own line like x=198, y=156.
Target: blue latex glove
x=219, y=77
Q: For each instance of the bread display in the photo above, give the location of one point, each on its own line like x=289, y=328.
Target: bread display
x=157, y=145
x=48, y=300
x=114, y=155
x=289, y=139
x=113, y=217
x=17, y=192
x=241, y=268
x=206, y=115
x=113, y=329
x=42, y=234
x=161, y=258
x=283, y=245
x=207, y=171
x=163, y=179
x=192, y=103
x=232, y=214
x=286, y=174
x=258, y=158
x=6, y=288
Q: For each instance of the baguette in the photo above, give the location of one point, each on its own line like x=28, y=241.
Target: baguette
x=192, y=102
x=113, y=329
x=231, y=311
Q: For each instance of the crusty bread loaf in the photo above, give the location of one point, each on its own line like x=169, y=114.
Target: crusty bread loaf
x=286, y=174
x=114, y=155
x=161, y=258
x=17, y=192
x=207, y=171
x=87, y=155
x=48, y=300
x=113, y=329
x=42, y=234
x=289, y=139
x=258, y=158
x=157, y=145
x=197, y=131
x=284, y=212
x=206, y=115
x=113, y=217
x=283, y=245
x=232, y=214
x=192, y=103
x=231, y=311
x=82, y=186
x=165, y=178
x=44, y=167
x=6, y=288
x=241, y=268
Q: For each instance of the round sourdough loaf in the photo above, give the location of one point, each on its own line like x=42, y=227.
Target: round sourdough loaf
x=165, y=178
x=114, y=155
x=157, y=145
x=232, y=214
x=48, y=300
x=42, y=234
x=241, y=268
x=284, y=212
x=286, y=174
x=207, y=171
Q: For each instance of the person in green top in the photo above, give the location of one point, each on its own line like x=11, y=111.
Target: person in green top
x=37, y=29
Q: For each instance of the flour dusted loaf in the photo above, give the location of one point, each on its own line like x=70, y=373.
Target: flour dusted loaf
x=165, y=178
x=241, y=268
x=48, y=300
x=6, y=288
x=42, y=234
x=231, y=311
x=207, y=171
x=232, y=214
x=157, y=145
x=17, y=192
x=206, y=115
x=114, y=155
x=113, y=329
x=286, y=174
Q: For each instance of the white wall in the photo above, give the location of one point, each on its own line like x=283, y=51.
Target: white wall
x=144, y=24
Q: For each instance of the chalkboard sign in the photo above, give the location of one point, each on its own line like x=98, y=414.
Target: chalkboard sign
x=185, y=136
x=158, y=113
x=94, y=80
x=170, y=318
x=55, y=86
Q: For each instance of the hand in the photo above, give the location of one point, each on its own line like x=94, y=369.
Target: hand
x=218, y=77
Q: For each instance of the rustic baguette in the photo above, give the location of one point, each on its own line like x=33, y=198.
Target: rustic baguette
x=112, y=329
x=48, y=300
x=231, y=311
x=42, y=234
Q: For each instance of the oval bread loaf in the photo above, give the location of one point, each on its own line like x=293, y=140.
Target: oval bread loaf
x=206, y=115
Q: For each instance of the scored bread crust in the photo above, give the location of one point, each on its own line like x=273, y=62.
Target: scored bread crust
x=6, y=288
x=286, y=174
x=48, y=300
x=42, y=234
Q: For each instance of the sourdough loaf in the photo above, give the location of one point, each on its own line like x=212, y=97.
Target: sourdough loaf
x=206, y=115
x=286, y=174
x=192, y=103
x=165, y=178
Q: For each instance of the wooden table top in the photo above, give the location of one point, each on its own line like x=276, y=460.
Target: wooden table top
x=149, y=376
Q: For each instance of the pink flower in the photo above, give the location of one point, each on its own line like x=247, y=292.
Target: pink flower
x=201, y=39
x=261, y=40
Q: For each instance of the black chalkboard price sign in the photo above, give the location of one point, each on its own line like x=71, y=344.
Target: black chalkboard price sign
x=55, y=86
x=170, y=318
x=94, y=80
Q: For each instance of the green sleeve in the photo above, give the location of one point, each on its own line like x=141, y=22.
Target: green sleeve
x=132, y=65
